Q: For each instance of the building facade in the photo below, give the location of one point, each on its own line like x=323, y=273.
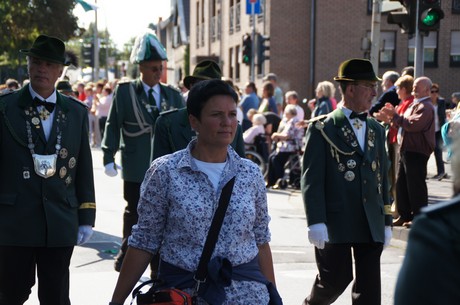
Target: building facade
x=309, y=39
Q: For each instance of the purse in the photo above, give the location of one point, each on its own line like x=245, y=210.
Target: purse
x=174, y=296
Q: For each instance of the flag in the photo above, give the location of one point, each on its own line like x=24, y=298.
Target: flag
x=87, y=6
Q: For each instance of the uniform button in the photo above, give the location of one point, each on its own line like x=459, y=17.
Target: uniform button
x=364, y=181
x=364, y=200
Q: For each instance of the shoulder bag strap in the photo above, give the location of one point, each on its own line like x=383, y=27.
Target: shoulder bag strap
x=214, y=230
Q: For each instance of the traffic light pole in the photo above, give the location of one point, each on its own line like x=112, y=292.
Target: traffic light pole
x=253, y=44
x=419, y=50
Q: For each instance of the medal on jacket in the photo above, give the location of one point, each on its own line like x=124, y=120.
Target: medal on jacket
x=44, y=165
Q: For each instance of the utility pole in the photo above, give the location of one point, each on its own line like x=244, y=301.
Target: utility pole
x=419, y=50
x=375, y=34
x=253, y=39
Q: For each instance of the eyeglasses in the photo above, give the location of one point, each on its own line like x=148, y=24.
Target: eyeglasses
x=434, y=91
x=369, y=86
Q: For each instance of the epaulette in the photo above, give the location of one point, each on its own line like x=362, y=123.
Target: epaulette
x=443, y=206
x=74, y=99
x=5, y=93
x=166, y=112
x=317, y=118
x=171, y=87
x=124, y=82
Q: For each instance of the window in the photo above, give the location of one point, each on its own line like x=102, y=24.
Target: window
x=231, y=63
x=237, y=63
x=455, y=49
x=455, y=6
x=386, y=48
x=430, y=50
x=231, y=23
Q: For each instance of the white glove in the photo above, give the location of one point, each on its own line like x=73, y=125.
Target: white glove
x=388, y=235
x=111, y=169
x=84, y=234
x=317, y=235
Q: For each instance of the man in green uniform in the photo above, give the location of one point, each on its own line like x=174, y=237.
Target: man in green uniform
x=345, y=191
x=47, y=201
x=130, y=125
x=172, y=129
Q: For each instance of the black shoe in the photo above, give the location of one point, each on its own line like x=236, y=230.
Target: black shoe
x=398, y=222
x=442, y=176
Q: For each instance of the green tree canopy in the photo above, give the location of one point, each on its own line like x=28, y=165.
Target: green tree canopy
x=23, y=20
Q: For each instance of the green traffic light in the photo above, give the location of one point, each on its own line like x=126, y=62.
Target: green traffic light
x=430, y=17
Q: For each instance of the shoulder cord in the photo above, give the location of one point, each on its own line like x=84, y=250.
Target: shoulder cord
x=334, y=148
x=143, y=125
x=10, y=128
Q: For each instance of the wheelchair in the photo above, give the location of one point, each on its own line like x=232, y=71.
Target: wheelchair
x=258, y=152
x=292, y=172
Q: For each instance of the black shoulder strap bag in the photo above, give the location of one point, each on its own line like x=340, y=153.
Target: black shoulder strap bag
x=173, y=296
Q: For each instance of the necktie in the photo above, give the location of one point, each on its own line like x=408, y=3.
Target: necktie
x=151, y=98
x=49, y=106
x=362, y=116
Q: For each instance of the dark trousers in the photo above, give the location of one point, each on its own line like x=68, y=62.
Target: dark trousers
x=438, y=153
x=131, y=193
x=335, y=266
x=276, y=163
x=411, y=189
x=17, y=274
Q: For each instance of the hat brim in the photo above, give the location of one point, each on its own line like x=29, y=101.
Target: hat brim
x=30, y=52
x=346, y=79
x=189, y=80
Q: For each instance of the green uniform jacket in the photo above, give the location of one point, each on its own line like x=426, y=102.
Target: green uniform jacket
x=173, y=132
x=342, y=186
x=130, y=127
x=430, y=273
x=37, y=211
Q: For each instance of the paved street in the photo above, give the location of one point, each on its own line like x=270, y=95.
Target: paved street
x=93, y=277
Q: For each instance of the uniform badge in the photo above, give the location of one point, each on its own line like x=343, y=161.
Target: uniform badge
x=319, y=125
x=72, y=162
x=26, y=174
x=351, y=164
x=341, y=167
x=62, y=172
x=63, y=153
x=349, y=176
x=68, y=180
x=35, y=120
x=374, y=166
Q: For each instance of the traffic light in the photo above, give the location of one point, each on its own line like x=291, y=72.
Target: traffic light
x=262, y=46
x=88, y=53
x=405, y=19
x=247, y=49
x=430, y=15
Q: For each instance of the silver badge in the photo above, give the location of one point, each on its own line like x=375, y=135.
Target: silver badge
x=374, y=166
x=63, y=153
x=72, y=162
x=351, y=164
x=68, y=180
x=26, y=174
x=35, y=121
x=62, y=172
x=349, y=176
x=45, y=165
x=341, y=167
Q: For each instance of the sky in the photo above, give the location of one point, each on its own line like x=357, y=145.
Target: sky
x=124, y=19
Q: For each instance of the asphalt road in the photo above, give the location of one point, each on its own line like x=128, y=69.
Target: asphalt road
x=93, y=277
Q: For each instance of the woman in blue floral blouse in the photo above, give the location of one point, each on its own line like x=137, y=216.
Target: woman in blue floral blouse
x=179, y=196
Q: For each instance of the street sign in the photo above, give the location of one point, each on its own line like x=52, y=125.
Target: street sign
x=249, y=4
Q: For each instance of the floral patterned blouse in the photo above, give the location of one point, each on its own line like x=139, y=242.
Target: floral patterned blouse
x=176, y=207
